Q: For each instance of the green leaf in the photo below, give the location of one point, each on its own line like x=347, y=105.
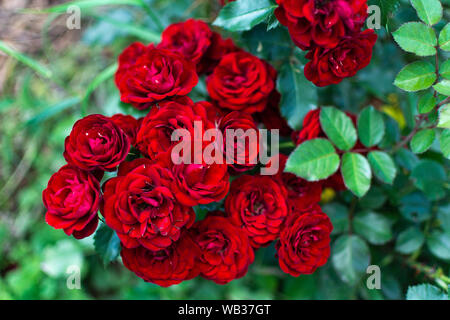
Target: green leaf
x=84, y=4
x=444, y=38
x=338, y=127
x=429, y=176
x=415, y=207
x=429, y=11
x=374, y=227
x=444, y=69
x=416, y=37
x=388, y=7
x=439, y=244
x=422, y=140
x=444, y=141
x=356, y=173
x=409, y=240
x=33, y=64
x=350, y=258
x=406, y=159
x=298, y=95
x=416, y=76
x=313, y=160
x=107, y=244
x=370, y=127
x=444, y=117
x=426, y=102
x=443, y=216
x=338, y=215
x=243, y=15
x=443, y=87
x=383, y=166
x=425, y=292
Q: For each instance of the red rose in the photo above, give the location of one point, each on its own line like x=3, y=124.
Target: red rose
x=191, y=38
x=271, y=116
x=311, y=128
x=302, y=194
x=331, y=66
x=195, y=184
x=321, y=22
x=217, y=50
x=304, y=243
x=241, y=82
x=142, y=209
x=72, y=198
x=258, y=205
x=96, y=142
x=147, y=75
x=225, y=251
x=128, y=124
x=166, y=267
x=245, y=151
x=154, y=136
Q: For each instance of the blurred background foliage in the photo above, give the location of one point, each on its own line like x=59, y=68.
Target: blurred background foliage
x=37, y=112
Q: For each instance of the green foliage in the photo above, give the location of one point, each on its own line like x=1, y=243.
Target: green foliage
x=107, y=244
x=427, y=102
x=429, y=11
x=444, y=117
x=443, y=87
x=313, y=160
x=416, y=37
x=419, y=75
x=374, y=227
x=422, y=140
x=370, y=127
x=425, y=292
x=242, y=15
x=356, y=173
x=338, y=127
x=409, y=240
x=383, y=166
x=444, y=38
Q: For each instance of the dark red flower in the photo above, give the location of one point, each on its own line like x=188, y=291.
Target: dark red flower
x=140, y=206
x=128, y=124
x=96, y=143
x=304, y=243
x=302, y=194
x=258, y=205
x=241, y=82
x=271, y=116
x=72, y=199
x=311, y=128
x=331, y=66
x=240, y=136
x=321, y=23
x=155, y=134
x=225, y=251
x=147, y=75
x=217, y=50
x=166, y=267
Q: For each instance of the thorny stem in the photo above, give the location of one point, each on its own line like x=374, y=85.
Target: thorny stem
x=432, y=273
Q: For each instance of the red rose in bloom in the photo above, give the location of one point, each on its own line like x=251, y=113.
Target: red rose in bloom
x=166, y=267
x=245, y=150
x=96, y=142
x=225, y=251
x=241, y=82
x=311, y=128
x=321, y=22
x=142, y=209
x=258, y=205
x=147, y=75
x=302, y=194
x=72, y=198
x=128, y=124
x=271, y=116
x=219, y=47
x=154, y=136
x=304, y=243
x=191, y=38
x=331, y=66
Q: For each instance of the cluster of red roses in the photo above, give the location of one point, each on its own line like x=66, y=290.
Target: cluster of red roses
x=331, y=31
x=149, y=204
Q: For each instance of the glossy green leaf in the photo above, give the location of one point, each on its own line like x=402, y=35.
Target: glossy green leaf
x=422, y=140
x=370, y=127
x=374, y=227
x=409, y=240
x=425, y=292
x=338, y=127
x=243, y=15
x=439, y=244
x=443, y=87
x=350, y=258
x=383, y=166
x=416, y=76
x=313, y=160
x=107, y=244
x=444, y=141
x=429, y=11
x=356, y=173
x=426, y=102
x=444, y=69
x=415, y=207
x=416, y=37
x=444, y=38
x=298, y=95
x=444, y=116
x=429, y=176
